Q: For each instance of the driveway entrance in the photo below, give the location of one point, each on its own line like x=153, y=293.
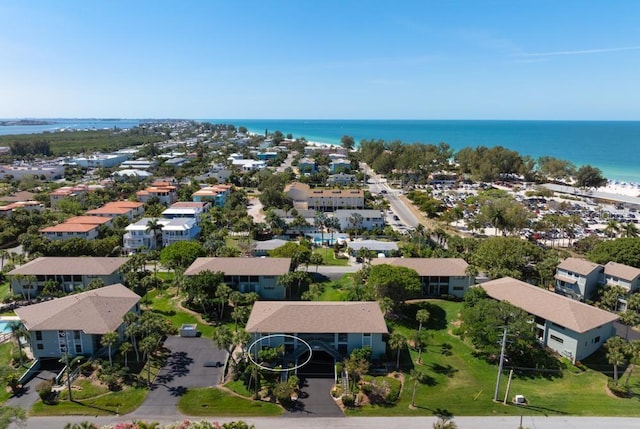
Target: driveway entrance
x=316, y=381
x=193, y=363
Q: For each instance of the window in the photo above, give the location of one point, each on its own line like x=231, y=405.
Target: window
x=596, y=339
x=557, y=339
x=343, y=338
x=38, y=335
x=78, y=348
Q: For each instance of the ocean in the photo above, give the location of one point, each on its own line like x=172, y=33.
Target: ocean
x=63, y=124
x=612, y=146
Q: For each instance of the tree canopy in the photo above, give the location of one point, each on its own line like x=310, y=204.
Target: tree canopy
x=621, y=250
x=181, y=254
x=397, y=283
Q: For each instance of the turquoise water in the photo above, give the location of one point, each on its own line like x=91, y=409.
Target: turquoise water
x=76, y=124
x=612, y=146
x=5, y=327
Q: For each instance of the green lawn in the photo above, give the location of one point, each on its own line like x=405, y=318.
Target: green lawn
x=4, y=290
x=461, y=384
x=211, y=401
x=5, y=360
x=105, y=404
x=165, y=303
x=328, y=257
x=336, y=290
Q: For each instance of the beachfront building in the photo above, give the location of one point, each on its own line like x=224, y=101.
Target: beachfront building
x=625, y=276
x=17, y=172
x=30, y=206
x=324, y=199
x=70, y=273
x=74, y=325
x=258, y=275
x=217, y=195
x=139, y=164
x=359, y=219
x=138, y=238
x=339, y=165
x=379, y=248
x=438, y=276
x=571, y=328
x=85, y=227
x=76, y=192
x=216, y=171
x=341, y=179
x=262, y=248
x=307, y=165
x=128, y=209
x=578, y=278
x=267, y=156
x=100, y=160
x=179, y=229
x=299, y=222
x=331, y=329
x=186, y=209
x=129, y=172
x=166, y=194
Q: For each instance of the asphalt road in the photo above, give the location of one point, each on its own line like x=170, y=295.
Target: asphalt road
x=511, y=422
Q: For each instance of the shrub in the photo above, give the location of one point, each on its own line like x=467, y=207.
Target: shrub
x=348, y=401
x=393, y=393
x=45, y=391
x=619, y=390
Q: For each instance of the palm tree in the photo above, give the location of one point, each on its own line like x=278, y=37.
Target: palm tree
x=416, y=376
x=420, y=341
x=154, y=227
x=633, y=351
x=396, y=342
x=109, y=340
x=612, y=228
x=333, y=225
x=615, y=355
x=125, y=349
x=445, y=422
x=355, y=220
x=422, y=316
x=316, y=259
x=629, y=318
x=629, y=230
x=18, y=331
x=319, y=222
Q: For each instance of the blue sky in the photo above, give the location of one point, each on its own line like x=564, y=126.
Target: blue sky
x=482, y=59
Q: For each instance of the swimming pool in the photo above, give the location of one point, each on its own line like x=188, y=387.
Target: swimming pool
x=5, y=325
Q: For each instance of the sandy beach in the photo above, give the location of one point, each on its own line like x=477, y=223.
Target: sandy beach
x=621, y=188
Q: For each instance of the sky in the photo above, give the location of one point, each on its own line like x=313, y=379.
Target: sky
x=329, y=59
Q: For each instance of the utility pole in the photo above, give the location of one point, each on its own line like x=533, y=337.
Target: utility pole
x=504, y=344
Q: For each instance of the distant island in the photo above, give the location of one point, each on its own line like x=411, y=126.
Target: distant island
x=25, y=122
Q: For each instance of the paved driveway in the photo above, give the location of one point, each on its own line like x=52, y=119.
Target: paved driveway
x=29, y=394
x=190, y=365
x=316, y=399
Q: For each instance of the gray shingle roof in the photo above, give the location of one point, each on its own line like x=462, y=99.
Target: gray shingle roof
x=579, y=266
x=429, y=266
x=96, y=311
x=316, y=317
x=61, y=265
x=241, y=266
x=621, y=271
x=563, y=311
